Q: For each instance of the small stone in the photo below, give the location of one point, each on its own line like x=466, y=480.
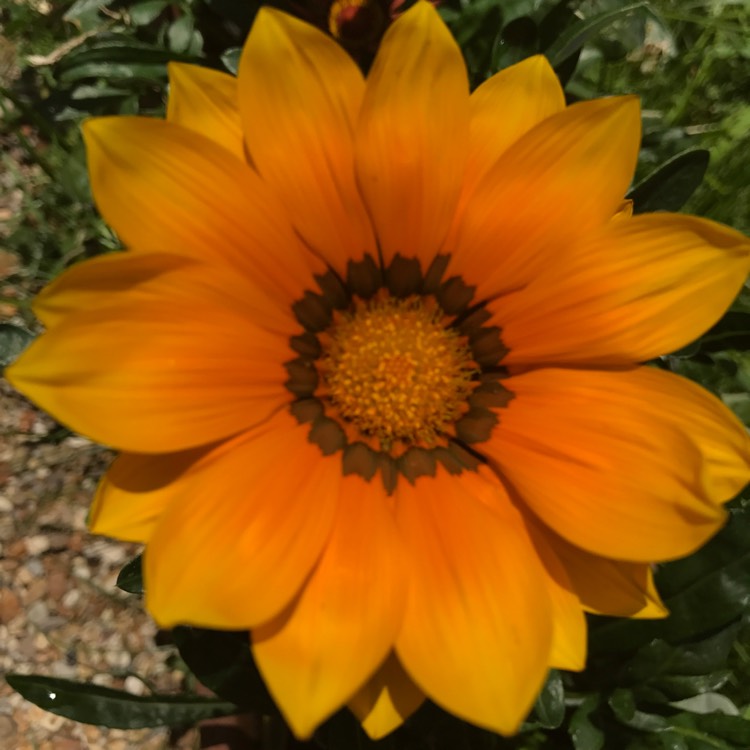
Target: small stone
x=38, y=613
x=8, y=730
x=35, y=567
x=134, y=685
x=16, y=549
x=9, y=605
x=37, y=544
x=66, y=743
x=57, y=584
x=6, y=506
x=71, y=598
x=103, y=679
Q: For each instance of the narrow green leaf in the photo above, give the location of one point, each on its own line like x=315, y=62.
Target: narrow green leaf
x=574, y=37
x=549, y=708
x=669, y=187
x=13, y=340
x=92, y=704
x=130, y=578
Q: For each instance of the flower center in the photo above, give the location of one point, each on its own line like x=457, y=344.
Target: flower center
x=396, y=371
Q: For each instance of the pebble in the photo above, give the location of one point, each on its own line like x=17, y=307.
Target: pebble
x=9, y=605
x=6, y=506
x=37, y=614
x=37, y=544
x=135, y=686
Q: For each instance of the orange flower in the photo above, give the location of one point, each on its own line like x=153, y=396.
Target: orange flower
x=371, y=360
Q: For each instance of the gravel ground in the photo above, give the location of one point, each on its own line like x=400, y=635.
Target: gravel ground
x=60, y=612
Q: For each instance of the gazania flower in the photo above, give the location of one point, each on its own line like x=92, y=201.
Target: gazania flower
x=371, y=359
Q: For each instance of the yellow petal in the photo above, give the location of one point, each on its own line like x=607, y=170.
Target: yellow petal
x=631, y=465
x=318, y=653
x=136, y=490
x=563, y=179
x=610, y=587
x=205, y=101
x=569, y=623
x=411, y=140
x=300, y=95
x=477, y=632
x=163, y=187
x=387, y=700
x=242, y=534
x=157, y=363
x=642, y=287
x=504, y=108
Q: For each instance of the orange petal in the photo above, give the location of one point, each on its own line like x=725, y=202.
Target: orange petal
x=504, y=108
x=412, y=133
x=154, y=366
x=135, y=492
x=164, y=187
x=630, y=465
x=609, y=587
x=569, y=623
x=318, y=653
x=478, y=626
x=244, y=531
x=205, y=101
x=387, y=700
x=642, y=287
x=144, y=278
x=563, y=179
x=300, y=94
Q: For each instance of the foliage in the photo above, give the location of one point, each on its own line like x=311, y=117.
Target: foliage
x=677, y=684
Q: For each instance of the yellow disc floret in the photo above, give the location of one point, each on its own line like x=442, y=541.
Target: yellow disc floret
x=393, y=369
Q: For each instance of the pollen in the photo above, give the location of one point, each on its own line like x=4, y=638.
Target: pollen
x=394, y=369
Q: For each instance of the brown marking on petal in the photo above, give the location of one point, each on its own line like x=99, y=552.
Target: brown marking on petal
x=312, y=312
x=306, y=410
x=491, y=394
x=487, y=347
x=303, y=377
x=476, y=425
x=417, y=462
x=334, y=290
x=403, y=276
x=306, y=344
x=466, y=457
x=455, y=295
x=473, y=320
x=360, y=459
x=363, y=277
x=434, y=274
x=388, y=472
x=448, y=461
x=327, y=435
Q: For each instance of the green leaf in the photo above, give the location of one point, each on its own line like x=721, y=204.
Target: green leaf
x=85, y=13
x=549, y=708
x=669, y=187
x=142, y=14
x=130, y=578
x=231, y=59
x=180, y=33
x=585, y=735
x=92, y=704
x=13, y=340
x=222, y=661
x=574, y=37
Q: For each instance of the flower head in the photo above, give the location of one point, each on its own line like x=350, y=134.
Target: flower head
x=372, y=361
